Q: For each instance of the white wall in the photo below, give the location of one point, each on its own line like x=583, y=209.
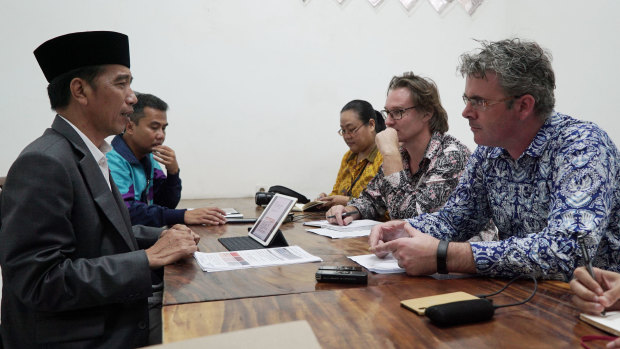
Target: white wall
x=255, y=87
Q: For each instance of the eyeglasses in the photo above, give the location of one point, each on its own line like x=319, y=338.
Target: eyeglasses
x=349, y=132
x=396, y=114
x=484, y=104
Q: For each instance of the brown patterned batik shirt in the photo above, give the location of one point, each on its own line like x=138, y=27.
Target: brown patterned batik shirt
x=406, y=195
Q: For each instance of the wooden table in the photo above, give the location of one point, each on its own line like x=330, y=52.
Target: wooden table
x=185, y=282
x=342, y=316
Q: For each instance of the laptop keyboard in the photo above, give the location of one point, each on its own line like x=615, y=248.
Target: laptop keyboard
x=240, y=243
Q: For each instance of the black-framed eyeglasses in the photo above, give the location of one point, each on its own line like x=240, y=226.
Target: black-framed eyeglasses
x=482, y=104
x=396, y=114
x=349, y=132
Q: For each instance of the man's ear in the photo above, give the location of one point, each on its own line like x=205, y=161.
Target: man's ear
x=130, y=127
x=80, y=90
x=427, y=116
x=525, y=105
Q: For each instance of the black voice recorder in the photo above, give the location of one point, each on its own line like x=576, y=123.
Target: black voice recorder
x=341, y=274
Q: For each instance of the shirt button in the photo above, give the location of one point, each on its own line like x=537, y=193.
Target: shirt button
x=141, y=325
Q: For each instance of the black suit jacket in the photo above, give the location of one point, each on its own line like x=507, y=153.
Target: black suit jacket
x=73, y=272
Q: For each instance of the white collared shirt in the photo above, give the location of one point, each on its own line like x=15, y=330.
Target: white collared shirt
x=98, y=153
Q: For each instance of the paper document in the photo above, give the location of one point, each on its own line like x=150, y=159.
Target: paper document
x=387, y=265
x=335, y=234
x=232, y=260
x=361, y=224
x=232, y=213
x=317, y=224
x=610, y=322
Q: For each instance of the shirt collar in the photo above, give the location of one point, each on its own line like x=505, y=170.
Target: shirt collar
x=98, y=153
x=434, y=146
x=370, y=157
x=121, y=147
x=544, y=135
x=432, y=149
x=540, y=141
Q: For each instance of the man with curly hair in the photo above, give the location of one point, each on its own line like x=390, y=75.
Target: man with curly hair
x=544, y=178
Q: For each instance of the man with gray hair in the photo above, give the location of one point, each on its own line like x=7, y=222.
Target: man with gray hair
x=544, y=178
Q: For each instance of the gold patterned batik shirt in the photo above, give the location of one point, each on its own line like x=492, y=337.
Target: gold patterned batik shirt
x=350, y=169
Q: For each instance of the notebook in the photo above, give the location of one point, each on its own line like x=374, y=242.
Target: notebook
x=610, y=322
x=419, y=305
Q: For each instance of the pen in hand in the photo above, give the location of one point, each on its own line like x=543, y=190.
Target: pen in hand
x=346, y=214
x=586, y=259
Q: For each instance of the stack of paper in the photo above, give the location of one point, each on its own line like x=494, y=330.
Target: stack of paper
x=232, y=213
x=317, y=224
x=232, y=260
x=354, y=229
x=334, y=234
x=362, y=224
x=387, y=265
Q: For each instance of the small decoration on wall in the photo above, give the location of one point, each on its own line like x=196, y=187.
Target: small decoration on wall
x=470, y=5
x=408, y=4
x=439, y=5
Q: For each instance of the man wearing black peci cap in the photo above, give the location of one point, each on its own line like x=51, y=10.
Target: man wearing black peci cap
x=75, y=272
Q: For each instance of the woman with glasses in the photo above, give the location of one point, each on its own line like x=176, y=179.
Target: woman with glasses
x=421, y=163
x=359, y=124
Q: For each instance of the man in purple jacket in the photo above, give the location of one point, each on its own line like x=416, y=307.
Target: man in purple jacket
x=150, y=194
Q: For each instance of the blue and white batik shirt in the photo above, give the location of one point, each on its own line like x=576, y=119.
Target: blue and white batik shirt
x=567, y=182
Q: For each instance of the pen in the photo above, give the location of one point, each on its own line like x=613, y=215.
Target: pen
x=346, y=214
x=586, y=259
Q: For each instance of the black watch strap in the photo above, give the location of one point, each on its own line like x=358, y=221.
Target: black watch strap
x=442, y=254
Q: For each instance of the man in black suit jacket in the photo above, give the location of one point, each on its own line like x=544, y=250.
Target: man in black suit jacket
x=75, y=273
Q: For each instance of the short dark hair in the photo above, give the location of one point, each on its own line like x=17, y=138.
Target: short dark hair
x=146, y=100
x=58, y=89
x=425, y=97
x=365, y=112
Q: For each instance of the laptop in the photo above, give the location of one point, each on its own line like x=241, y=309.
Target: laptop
x=265, y=232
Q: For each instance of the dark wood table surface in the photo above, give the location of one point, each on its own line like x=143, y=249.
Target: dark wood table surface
x=197, y=303
x=185, y=282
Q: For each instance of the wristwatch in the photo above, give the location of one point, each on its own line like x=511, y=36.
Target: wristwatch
x=442, y=254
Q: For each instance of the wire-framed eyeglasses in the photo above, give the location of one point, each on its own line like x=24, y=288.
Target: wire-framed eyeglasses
x=484, y=104
x=396, y=114
x=343, y=132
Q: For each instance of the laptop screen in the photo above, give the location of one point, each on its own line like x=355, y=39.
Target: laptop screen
x=269, y=222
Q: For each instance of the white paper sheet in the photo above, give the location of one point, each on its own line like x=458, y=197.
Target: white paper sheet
x=387, y=265
x=233, y=260
x=334, y=234
x=232, y=213
x=360, y=224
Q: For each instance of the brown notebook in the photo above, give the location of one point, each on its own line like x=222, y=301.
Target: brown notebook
x=311, y=206
x=419, y=305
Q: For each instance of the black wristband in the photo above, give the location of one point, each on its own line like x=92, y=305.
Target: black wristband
x=442, y=254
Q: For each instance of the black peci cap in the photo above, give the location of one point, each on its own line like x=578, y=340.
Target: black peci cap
x=76, y=50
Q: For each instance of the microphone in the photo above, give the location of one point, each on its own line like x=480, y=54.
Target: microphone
x=462, y=312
